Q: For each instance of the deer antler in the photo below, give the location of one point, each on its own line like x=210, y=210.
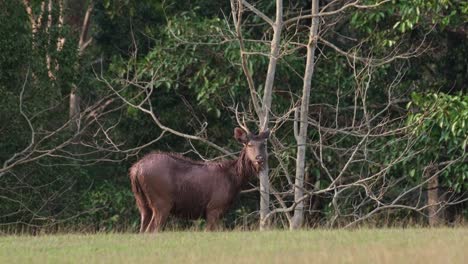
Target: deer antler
x=242, y=125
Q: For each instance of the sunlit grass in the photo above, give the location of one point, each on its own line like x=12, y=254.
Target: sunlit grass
x=313, y=246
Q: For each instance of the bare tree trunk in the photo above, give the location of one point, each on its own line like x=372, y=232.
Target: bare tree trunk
x=433, y=203
x=75, y=110
x=266, y=106
x=78, y=18
x=301, y=135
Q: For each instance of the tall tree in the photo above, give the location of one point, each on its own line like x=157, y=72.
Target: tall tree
x=263, y=109
x=77, y=15
x=300, y=128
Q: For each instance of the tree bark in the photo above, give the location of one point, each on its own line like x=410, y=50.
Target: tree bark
x=301, y=136
x=74, y=114
x=77, y=16
x=265, y=113
x=433, y=202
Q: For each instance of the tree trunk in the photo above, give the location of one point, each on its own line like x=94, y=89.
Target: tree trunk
x=301, y=136
x=78, y=18
x=266, y=106
x=74, y=113
x=433, y=203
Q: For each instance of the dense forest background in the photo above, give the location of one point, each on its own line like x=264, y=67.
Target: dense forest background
x=88, y=87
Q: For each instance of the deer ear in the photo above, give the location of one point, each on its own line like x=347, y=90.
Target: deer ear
x=240, y=135
x=265, y=134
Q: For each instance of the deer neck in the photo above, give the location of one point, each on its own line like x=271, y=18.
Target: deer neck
x=244, y=169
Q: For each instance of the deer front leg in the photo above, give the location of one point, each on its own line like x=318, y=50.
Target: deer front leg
x=212, y=219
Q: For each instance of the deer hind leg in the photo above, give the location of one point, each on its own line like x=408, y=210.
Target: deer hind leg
x=145, y=211
x=158, y=219
x=146, y=214
x=151, y=226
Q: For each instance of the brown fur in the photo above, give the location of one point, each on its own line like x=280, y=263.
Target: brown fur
x=168, y=183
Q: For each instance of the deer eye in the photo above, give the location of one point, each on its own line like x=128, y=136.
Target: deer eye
x=249, y=145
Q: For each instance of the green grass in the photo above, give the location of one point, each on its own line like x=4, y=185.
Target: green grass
x=314, y=246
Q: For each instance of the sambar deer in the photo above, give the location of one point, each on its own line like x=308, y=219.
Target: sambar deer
x=169, y=184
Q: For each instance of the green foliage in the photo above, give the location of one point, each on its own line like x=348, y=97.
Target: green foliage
x=112, y=206
x=191, y=55
x=432, y=28
x=405, y=15
x=125, y=24
x=441, y=128
x=15, y=40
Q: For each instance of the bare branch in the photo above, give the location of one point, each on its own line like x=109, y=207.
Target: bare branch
x=354, y=4
x=237, y=17
x=258, y=13
x=83, y=43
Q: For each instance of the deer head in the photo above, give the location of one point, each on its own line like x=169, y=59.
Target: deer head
x=254, y=146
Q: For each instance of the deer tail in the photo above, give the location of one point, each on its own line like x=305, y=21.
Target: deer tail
x=137, y=188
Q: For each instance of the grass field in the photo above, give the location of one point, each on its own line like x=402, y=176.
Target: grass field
x=314, y=246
